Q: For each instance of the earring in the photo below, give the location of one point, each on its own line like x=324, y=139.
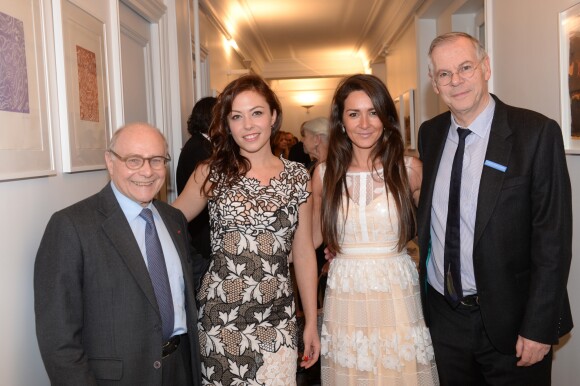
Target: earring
x=343, y=129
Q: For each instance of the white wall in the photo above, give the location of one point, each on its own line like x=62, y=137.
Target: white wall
x=401, y=63
x=222, y=57
x=26, y=207
x=526, y=73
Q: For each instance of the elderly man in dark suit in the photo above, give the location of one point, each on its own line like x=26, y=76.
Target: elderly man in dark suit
x=495, y=227
x=113, y=282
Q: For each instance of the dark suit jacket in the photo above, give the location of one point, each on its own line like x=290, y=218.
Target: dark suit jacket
x=196, y=149
x=523, y=227
x=97, y=319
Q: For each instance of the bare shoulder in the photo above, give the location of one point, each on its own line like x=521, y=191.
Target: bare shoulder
x=413, y=163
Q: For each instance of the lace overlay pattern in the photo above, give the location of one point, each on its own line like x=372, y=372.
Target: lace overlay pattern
x=373, y=331
x=247, y=322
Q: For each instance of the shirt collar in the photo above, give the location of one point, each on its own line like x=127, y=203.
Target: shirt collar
x=130, y=208
x=482, y=124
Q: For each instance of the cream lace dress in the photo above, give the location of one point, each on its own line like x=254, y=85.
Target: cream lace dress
x=373, y=331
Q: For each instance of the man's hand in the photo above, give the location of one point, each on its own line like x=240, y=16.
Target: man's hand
x=328, y=254
x=530, y=352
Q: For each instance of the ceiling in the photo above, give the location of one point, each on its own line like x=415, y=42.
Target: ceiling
x=311, y=38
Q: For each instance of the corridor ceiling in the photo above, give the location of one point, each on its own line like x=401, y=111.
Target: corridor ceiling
x=311, y=38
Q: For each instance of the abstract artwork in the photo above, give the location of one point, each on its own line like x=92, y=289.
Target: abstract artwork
x=13, y=72
x=570, y=77
x=25, y=127
x=88, y=87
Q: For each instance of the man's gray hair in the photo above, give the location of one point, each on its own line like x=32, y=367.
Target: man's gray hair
x=451, y=37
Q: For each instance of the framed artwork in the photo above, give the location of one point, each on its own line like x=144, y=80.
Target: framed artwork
x=406, y=105
x=26, y=149
x=569, y=22
x=85, y=126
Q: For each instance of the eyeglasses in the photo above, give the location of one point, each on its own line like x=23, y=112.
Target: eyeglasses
x=135, y=162
x=466, y=71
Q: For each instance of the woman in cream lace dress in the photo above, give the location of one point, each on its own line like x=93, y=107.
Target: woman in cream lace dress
x=373, y=331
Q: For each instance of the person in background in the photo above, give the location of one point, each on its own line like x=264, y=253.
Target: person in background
x=113, y=279
x=281, y=144
x=495, y=228
x=315, y=138
x=292, y=140
x=297, y=153
x=365, y=194
x=260, y=211
x=196, y=149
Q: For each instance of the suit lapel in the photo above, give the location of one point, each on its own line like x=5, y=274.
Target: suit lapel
x=120, y=233
x=499, y=151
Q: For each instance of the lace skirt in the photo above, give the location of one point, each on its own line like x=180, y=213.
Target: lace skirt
x=373, y=331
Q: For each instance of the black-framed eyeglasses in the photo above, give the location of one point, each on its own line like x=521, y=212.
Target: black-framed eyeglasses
x=135, y=162
x=465, y=71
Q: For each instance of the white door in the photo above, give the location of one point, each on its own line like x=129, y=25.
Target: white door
x=136, y=67
x=138, y=79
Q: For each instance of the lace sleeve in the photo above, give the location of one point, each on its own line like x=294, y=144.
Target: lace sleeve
x=298, y=176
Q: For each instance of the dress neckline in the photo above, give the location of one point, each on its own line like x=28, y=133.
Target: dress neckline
x=277, y=177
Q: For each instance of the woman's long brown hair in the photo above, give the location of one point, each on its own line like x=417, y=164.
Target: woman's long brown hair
x=226, y=163
x=389, y=150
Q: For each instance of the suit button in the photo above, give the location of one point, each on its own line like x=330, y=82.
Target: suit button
x=157, y=365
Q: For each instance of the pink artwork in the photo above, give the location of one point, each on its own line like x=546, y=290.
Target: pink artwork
x=88, y=89
x=13, y=72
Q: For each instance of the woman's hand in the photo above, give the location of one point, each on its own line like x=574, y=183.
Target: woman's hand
x=311, y=346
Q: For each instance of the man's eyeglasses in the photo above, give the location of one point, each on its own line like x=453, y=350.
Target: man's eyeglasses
x=465, y=71
x=135, y=162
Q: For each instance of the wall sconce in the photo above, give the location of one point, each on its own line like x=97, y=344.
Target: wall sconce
x=307, y=107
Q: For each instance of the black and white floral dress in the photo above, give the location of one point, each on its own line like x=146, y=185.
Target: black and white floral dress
x=247, y=322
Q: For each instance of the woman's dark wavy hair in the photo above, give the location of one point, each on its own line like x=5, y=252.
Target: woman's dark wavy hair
x=201, y=115
x=389, y=150
x=226, y=162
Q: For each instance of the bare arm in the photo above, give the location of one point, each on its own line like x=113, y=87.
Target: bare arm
x=415, y=174
x=307, y=280
x=191, y=201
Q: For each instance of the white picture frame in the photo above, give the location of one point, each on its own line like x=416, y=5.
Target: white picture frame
x=84, y=109
x=26, y=147
x=406, y=107
x=569, y=38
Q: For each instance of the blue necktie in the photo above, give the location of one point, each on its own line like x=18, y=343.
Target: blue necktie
x=158, y=274
x=452, y=254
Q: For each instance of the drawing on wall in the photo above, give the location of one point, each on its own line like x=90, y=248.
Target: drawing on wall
x=574, y=74
x=13, y=72
x=570, y=75
x=88, y=87
x=84, y=46
x=25, y=130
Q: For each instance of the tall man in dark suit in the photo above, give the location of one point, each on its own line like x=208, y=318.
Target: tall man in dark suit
x=514, y=228
x=100, y=318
